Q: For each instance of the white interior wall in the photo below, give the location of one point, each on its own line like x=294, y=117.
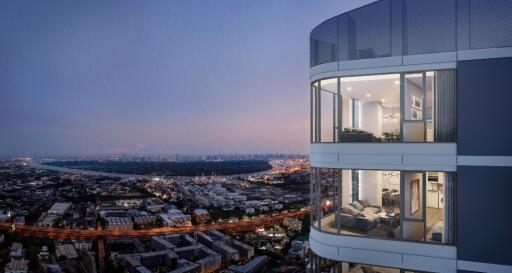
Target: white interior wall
x=391, y=183
x=390, y=125
x=372, y=117
x=346, y=112
x=346, y=188
x=370, y=183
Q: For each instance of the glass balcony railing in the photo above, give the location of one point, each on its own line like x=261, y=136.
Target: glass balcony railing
x=388, y=28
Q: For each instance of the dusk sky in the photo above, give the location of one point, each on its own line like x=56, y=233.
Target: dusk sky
x=156, y=77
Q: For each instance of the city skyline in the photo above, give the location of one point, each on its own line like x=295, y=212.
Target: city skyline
x=156, y=77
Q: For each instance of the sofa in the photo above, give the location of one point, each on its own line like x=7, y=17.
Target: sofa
x=359, y=215
x=357, y=135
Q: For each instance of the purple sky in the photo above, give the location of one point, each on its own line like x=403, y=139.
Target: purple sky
x=156, y=77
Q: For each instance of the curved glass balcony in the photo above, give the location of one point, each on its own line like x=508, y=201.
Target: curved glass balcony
x=388, y=28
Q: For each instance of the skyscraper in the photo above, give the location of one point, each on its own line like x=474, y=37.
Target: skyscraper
x=411, y=152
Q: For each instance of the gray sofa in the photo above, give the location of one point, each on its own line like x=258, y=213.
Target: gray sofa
x=357, y=135
x=359, y=215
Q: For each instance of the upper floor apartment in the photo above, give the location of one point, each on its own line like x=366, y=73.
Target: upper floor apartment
x=406, y=84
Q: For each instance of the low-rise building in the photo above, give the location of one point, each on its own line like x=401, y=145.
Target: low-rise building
x=19, y=220
x=16, y=251
x=160, y=243
x=201, y=215
x=175, y=218
x=129, y=203
x=121, y=223
x=143, y=220
x=48, y=220
x=59, y=208
x=254, y=265
x=298, y=249
x=44, y=255
x=246, y=251
x=67, y=251
x=16, y=266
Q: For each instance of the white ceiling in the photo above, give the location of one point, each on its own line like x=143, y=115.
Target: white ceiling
x=384, y=88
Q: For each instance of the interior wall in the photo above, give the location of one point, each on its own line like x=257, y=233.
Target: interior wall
x=372, y=117
x=391, y=183
x=346, y=188
x=392, y=125
x=371, y=186
x=346, y=112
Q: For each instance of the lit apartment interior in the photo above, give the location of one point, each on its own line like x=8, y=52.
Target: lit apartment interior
x=370, y=108
x=386, y=204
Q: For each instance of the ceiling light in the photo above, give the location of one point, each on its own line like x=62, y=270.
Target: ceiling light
x=368, y=95
x=349, y=88
x=383, y=100
x=397, y=82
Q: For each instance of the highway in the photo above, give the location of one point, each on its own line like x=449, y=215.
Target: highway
x=90, y=234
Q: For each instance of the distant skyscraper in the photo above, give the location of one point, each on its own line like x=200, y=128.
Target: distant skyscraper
x=411, y=147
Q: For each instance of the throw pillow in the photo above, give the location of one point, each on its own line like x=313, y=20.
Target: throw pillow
x=357, y=206
x=350, y=211
x=365, y=203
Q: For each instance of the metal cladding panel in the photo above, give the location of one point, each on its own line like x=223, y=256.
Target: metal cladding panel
x=483, y=214
x=484, y=120
x=429, y=26
x=490, y=23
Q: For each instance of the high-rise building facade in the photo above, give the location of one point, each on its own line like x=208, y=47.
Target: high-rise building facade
x=411, y=138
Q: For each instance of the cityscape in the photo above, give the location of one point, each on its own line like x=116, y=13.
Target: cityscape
x=79, y=221
x=225, y=136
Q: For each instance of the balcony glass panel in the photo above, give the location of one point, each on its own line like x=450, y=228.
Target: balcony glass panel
x=369, y=32
x=490, y=23
x=370, y=108
x=324, y=43
x=429, y=26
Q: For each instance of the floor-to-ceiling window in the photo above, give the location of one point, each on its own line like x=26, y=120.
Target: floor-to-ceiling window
x=406, y=107
x=397, y=205
x=370, y=108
